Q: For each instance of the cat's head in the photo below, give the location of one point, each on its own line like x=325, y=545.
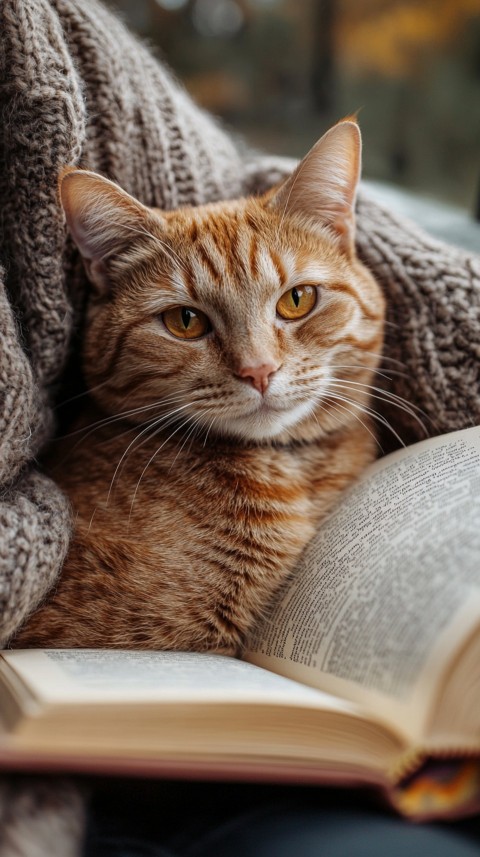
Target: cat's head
x=235, y=318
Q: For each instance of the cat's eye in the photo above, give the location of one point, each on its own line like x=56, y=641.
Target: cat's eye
x=297, y=302
x=184, y=322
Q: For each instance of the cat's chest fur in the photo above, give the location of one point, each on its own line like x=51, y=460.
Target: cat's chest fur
x=228, y=507
x=185, y=550
x=224, y=493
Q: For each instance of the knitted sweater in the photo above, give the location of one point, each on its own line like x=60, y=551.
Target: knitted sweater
x=76, y=87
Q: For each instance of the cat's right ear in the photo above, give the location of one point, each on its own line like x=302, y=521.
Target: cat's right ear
x=103, y=219
x=323, y=187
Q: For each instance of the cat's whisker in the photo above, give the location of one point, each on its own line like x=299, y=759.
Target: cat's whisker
x=197, y=430
x=208, y=430
x=91, y=519
x=359, y=367
x=387, y=398
x=88, y=430
x=129, y=430
x=85, y=433
x=152, y=422
x=156, y=425
x=289, y=432
x=136, y=438
x=193, y=427
x=338, y=407
x=391, y=372
x=159, y=424
x=197, y=434
x=384, y=357
x=123, y=414
x=328, y=411
x=150, y=460
x=80, y=395
x=193, y=433
x=179, y=391
x=386, y=393
x=369, y=411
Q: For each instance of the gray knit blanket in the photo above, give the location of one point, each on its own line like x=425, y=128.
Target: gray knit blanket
x=77, y=88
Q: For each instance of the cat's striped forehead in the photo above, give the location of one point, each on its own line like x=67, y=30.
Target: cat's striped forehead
x=228, y=246
x=225, y=250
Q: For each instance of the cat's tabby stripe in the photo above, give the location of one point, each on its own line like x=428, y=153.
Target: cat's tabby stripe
x=372, y=313
x=206, y=258
x=277, y=263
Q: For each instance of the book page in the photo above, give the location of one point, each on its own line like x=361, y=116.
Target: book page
x=390, y=584
x=98, y=676
x=182, y=709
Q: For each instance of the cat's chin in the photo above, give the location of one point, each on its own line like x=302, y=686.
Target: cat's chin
x=267, y=422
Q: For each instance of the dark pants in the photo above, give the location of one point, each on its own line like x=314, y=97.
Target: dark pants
x=162, y=819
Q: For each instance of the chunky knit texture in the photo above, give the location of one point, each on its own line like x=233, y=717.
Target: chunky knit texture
x=433, y=322
x=75, y=87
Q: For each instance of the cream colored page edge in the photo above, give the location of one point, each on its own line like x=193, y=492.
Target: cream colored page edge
x=48, y=684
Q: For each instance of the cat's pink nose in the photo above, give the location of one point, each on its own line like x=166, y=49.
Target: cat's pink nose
x=258, y=376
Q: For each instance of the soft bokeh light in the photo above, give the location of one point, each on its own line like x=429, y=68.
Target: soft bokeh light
x=265, y=4
x=221, y=18
x=281, y=71
x=172, y=5
x=392, y=39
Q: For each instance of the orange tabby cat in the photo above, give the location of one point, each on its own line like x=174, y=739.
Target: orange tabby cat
x=228, y=353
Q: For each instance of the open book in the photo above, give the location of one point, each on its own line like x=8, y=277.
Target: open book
x=367, y=669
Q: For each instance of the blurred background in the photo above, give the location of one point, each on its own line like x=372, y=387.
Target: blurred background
x=279, y=72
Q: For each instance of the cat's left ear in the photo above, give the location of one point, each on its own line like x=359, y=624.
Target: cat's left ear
x=104, y=220
x=323, y=187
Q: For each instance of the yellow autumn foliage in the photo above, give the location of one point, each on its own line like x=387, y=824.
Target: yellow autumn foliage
x=394, y=38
